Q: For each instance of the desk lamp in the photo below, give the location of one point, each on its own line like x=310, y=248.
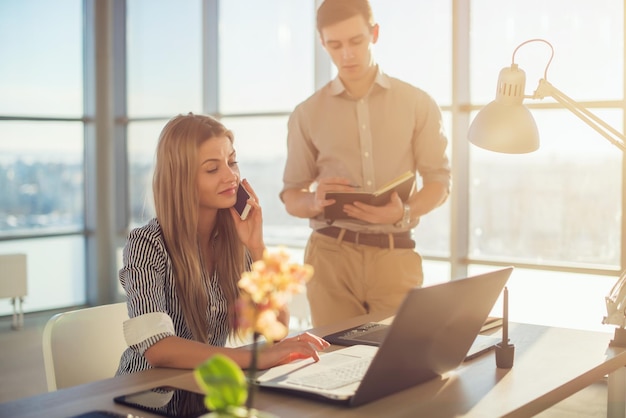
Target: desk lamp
x=506, y=125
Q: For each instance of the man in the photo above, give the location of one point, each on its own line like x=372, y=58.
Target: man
x=363, y=128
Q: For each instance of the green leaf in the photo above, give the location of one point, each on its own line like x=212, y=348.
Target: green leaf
x=223, y=382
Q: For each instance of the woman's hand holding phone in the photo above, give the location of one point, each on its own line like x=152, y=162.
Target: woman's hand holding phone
x=249, y=220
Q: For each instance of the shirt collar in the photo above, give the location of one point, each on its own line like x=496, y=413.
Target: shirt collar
x=337, y=87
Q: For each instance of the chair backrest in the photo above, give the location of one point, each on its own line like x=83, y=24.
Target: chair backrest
x=83, y=345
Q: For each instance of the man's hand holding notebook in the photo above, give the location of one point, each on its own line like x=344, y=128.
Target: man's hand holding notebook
x=403, y=184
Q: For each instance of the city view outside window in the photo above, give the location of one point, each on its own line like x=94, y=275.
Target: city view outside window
x=42, y=188
x=561, y=205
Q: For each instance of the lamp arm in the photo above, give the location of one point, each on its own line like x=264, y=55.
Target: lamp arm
x=616, y=303
x=604, y=129
x=616, y=300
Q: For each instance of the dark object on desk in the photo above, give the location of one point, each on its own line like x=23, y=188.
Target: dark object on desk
x=505, y=351
x=373, y=333
x=403, y=184
x=104, y=414
x=166, y=401
x=504, y=355
x=430, y=335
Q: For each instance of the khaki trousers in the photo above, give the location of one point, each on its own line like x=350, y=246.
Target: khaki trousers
x=351, y=279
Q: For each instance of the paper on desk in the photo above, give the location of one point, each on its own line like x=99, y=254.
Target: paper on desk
x=284, y=369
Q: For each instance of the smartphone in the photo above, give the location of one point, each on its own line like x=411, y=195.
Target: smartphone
x=241, y=205
x=166, y=401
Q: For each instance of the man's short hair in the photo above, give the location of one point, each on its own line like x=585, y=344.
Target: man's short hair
x=334, y=11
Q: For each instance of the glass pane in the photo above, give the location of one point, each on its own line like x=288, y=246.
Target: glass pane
x=56, y=272
x=261, y=145
x=432, y=235
x=41, y=58
x=164, y=57
x=403, y=50
x=587, y=36
x=561, y=203
x=41, y=177
x=265, y=55
x=435, y=272
x=142, y=143
x=566, y=300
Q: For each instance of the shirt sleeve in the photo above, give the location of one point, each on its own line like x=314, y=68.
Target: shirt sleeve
x=143, y=277
x=143, y=331
x=301, y=167
x=430, y=143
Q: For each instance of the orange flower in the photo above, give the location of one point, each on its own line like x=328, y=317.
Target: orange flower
x=267, y=289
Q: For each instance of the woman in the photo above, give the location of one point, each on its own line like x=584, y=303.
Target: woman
x=181, y=269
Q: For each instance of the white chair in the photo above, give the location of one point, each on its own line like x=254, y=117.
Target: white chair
x=83, y=345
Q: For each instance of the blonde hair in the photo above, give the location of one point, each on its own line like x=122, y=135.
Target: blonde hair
x=176, y=203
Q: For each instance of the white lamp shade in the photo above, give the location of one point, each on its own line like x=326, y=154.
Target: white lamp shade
x=505, y=125
x=505, y=128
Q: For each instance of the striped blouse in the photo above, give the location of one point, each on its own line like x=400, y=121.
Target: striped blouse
x=153, y=305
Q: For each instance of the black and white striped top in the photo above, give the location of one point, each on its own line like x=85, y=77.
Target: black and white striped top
x=153, y=305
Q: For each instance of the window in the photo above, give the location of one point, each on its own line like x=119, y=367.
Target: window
x=415, y=44
x=561, y=204
x=265, y=55
x=164, y=57
x=142, y=143
x=164, y=70
x=41, y=177
x=404, y=50
x=41, y=50
x=41, y=148
x=266, y=69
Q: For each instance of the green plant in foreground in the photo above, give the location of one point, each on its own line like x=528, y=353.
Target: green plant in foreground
x=224, y=385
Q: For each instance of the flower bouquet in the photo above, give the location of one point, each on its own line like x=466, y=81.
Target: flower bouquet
x=265, y=292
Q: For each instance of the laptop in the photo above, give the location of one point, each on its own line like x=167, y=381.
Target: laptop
x=373, y=333
x=430, y=335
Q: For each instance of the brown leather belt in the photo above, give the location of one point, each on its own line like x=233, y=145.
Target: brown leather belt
x=398, y=240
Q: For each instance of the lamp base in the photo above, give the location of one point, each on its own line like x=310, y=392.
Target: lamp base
x=619, y=339
x=504, y=355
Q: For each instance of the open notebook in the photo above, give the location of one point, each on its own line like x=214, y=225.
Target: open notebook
x=430, y=335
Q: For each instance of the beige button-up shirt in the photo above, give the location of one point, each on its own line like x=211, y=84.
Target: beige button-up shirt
x=396, y=127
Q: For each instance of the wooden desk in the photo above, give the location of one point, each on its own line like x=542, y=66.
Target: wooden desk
x=550, y=365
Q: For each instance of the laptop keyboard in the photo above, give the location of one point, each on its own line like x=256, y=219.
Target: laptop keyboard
x=334, y=378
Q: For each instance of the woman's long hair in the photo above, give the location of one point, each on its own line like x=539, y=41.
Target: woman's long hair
x=176, y=204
